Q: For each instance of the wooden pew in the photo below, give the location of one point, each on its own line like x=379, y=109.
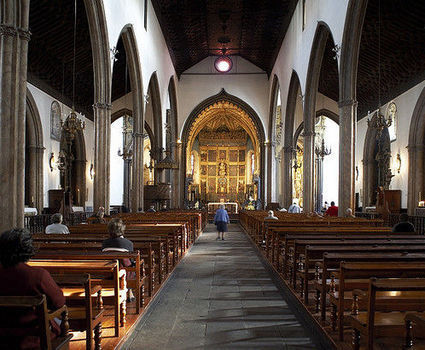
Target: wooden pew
x=152, y=267
x=416, y=319
x=107, y=270
x=306, y=266
x=83, y=315
x=137, y=284
x=37, y=304
x=330, y=263
x=377, y=321
x=353, y=276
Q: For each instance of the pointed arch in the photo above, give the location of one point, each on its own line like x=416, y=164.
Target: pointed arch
x=155, y=101
x=187, y=129
x=273, y=141
x=34, y=153
x=312, y=85
x=288, y=147
x=136, y=82
x=416, y=149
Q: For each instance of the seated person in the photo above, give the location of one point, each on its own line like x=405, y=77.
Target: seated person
x=349, y=213
x=271, y=216
x=332, y=210
x=283, y=210
x=99, y=217
x=294, y=208
x=404, y=225
x=164, y=208
x=57, y=226
x=116, y=240
x=20, y=279
x=151, y=209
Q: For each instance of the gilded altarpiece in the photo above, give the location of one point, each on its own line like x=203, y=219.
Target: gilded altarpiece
x=222, y=165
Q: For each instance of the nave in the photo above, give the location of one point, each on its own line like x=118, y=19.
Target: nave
x=219, y=297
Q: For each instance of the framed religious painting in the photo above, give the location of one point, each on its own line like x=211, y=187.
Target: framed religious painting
x=55, y=121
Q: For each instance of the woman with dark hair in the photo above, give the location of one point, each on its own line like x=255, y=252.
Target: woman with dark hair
x=19, y=279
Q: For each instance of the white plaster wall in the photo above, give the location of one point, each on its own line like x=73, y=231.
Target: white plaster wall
x=245, y=81
x=52, y=179
x=117, y=164
x=405, y=103
x=153, y=51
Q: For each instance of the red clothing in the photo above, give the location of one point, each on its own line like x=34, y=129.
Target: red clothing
x=25, y=280
x=332, y=211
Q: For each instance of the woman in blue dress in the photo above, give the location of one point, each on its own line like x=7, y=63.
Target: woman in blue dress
x=221, y=219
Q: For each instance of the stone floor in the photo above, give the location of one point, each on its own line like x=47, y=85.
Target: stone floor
x=219, y=297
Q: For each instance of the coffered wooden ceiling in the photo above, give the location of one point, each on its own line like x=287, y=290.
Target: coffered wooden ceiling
x=196, y=29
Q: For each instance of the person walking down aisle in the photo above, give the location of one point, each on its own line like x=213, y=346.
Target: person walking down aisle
x=221, y=219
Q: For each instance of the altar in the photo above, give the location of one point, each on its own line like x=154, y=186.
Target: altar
x=231, y=207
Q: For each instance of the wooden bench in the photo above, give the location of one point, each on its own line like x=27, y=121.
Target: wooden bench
x=107, y=273
x=405, y=294
x=307, y=268
x=37, y=304
x=83, y=315
x=355, y=275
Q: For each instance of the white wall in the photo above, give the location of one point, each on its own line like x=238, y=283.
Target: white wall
x=245, y=81
x=117, y=164
x=153, y=51
x=405, y=103
x=52, y=178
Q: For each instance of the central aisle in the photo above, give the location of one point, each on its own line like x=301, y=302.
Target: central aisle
x=219, y=297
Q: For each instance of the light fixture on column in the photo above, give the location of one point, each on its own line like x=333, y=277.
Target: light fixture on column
x=51, y=161
x=91, y=171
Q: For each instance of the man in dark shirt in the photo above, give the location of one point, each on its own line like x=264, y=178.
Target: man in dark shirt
x=404, y=225
x=116, y=240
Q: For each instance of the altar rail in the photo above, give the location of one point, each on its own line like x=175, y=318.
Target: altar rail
x=37, y=223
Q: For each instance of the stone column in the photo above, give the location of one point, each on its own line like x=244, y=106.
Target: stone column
x=416, y=171
x=137, y=175
x=176, y=188
x=347, y=139
x=102, y=129
x=269, y=162
x=14, y=37
x=127, y=183
x=287, y=176
x=308, y=171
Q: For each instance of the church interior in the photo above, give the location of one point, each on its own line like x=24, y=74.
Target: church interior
x=295, y=128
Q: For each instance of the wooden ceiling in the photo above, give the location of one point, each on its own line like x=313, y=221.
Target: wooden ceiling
x=50, y=52
x=402, y=58
x=196, y=29
x=254, y=30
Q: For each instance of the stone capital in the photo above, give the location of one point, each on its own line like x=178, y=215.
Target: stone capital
x=308, y=133
x=139, y=134
x=6, y=30
x=102, y=105
x=24, y=34
x=347, y=103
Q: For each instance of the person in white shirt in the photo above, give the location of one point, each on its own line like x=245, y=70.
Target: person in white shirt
x=271, y=216
x=294, y=208
x=57, y=226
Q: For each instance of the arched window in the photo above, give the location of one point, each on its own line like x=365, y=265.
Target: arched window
x=192, y=164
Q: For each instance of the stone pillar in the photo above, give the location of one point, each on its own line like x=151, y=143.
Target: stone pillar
x=308, y=171
x=416, y=177
x=347, y=139
x=137, y=175
x=269, y=162
x=127, y=183
x=102, y=129
x=287, y=176
x=14, y=37
x=176, y=188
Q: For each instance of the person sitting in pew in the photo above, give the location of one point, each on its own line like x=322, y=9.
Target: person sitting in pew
x=151, y=209
x=271, y=216
x=20, y=279
x=349, y=213
x=116, y=240
x=56, y=226
x=332, y=210
x=99, y=217
x=404, y=225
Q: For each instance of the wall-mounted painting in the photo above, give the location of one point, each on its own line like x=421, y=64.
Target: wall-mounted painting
x=55, y=121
